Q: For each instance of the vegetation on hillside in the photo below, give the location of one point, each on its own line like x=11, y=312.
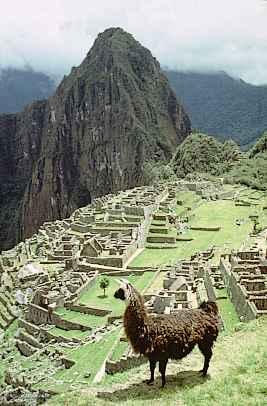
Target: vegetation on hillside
x=201, y=156
x=260, y=146
x=250, y=172
x=202, y=153
x=222, y=106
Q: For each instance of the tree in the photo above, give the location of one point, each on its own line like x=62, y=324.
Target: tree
x=104, y=284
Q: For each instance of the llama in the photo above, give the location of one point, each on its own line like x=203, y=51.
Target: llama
x=171, y=336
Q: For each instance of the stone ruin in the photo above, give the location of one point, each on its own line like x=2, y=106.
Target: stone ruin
x=52, y=269
x=65, y=258
x=179, y=289
x=245, y=277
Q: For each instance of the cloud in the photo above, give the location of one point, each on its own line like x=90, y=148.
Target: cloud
x=183, y=34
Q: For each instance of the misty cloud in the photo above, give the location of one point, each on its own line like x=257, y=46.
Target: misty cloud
x=228, y=35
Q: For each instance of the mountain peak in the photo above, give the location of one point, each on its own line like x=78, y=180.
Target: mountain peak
x=114, y=36
x=110, y=32
x=112, y=113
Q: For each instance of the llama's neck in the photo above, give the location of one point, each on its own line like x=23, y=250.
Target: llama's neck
x=136, y=311
x=136, y=322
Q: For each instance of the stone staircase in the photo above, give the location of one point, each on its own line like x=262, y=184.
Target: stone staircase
x=7, y=314
x=27, y=339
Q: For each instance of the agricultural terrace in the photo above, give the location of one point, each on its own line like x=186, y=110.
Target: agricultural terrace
x=232, y=219
x=95, y=336
x=94, y=298
x=90, y=357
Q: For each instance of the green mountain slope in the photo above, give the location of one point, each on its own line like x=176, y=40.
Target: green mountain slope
x=202, y=153
x=260, y=147
x=222, y=106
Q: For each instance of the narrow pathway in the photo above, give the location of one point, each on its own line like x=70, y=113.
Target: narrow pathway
x=137, y=252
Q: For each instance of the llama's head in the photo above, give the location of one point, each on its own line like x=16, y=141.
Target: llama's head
x=125, y=291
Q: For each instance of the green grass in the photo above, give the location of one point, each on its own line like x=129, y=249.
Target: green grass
x=119, y=350
x=87, y=320
x=237, y=378
x=68, y=333
x=91, y=356
x=94, y=296
x=227, y=311
x=221, y=213
x=172, y=232
x=158, y=223
x=236, y=375
x=88, y=358
x=187, y=197
x=26, y=363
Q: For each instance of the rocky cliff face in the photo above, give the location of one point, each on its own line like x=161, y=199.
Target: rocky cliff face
x=91, y=138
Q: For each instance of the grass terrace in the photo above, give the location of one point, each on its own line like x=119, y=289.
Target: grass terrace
x=88, y=360
x=227, y=311
x=119, y=350
x=87, y=320
x=220, y=213
x=58, y=332
x=93, y=297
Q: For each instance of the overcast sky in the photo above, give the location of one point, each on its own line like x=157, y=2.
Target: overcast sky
x=54, y=35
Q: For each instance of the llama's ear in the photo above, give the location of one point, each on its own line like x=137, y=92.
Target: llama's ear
x=125, y=281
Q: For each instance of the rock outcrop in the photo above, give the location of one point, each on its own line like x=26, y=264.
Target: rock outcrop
x=90, y=138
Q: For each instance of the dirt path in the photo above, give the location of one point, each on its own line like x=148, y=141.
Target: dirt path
x=137, y=252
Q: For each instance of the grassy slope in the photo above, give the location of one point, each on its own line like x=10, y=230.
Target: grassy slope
x=213, y=213
x=90, y=357
x=227, y=311
x=119, y=350
x=94, y=295
x=237, y=377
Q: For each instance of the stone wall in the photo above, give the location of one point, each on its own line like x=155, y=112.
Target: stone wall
x=205, y=228
x=60, y=339
x=28, y=338
x=115, y=261
x=88, y=284
x=161, y=239
x=78, y=307
x=68, y=363
x=25, y=348
x=67, y=324
x=37, y=315
x=124, y=363
x=245, y=309
x=209, y=286
x=144, y=227
x=29, y=327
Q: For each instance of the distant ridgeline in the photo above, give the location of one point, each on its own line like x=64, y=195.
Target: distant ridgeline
x=222, y=106
x=203, y=154
x=19, y=87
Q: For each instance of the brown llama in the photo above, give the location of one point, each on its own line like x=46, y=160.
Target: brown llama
x=168, y=336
